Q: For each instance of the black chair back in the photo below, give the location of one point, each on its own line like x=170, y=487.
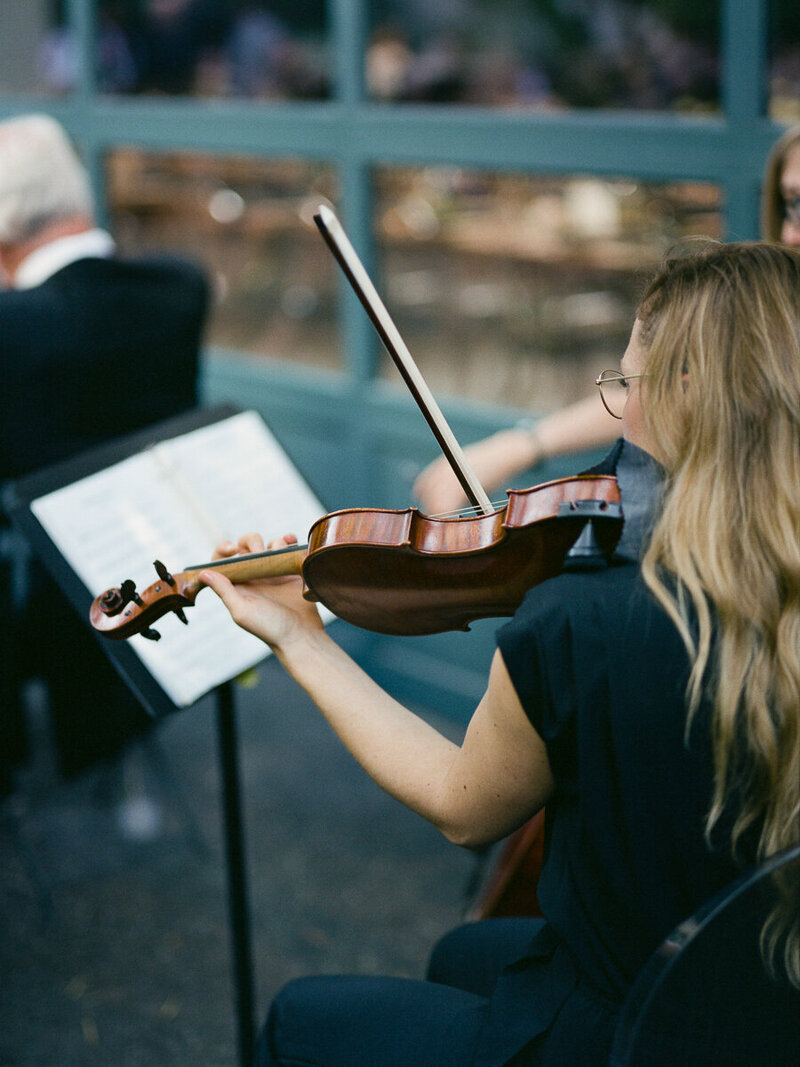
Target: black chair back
x=705, y=998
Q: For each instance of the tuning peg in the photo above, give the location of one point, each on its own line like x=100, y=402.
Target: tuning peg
x=128, y=592
x=112, y=602
x=182, y=616
x=163, y=573
x=151, y=634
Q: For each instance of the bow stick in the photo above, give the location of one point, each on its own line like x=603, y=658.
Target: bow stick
x=339, y=244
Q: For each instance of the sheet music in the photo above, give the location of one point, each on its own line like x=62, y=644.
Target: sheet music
x=174, y=502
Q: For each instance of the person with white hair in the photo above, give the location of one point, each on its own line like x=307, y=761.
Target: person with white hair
x=44, y=189
x=80, y=324
x=92, y=347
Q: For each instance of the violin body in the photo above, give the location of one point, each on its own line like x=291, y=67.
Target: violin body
x=400, y=572
x=512, y=886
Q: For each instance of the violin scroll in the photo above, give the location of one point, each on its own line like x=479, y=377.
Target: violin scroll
x=121, y=612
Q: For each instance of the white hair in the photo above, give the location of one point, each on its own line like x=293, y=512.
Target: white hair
x=42, y=180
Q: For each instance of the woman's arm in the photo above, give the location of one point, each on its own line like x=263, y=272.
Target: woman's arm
x=498, y=458
x=475, y=793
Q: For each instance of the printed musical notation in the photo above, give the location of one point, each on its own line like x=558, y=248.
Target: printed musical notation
x=174, y=502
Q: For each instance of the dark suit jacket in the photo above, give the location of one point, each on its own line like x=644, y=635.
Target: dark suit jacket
x=101, y=349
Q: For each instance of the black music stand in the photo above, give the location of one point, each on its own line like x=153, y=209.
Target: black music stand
x=20, y=500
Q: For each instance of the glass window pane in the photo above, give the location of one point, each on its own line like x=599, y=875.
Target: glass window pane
x=784, y=88
x=519, y=290
x=35, y=55
x=641, y=54
x=209, y=48
x=250, y=222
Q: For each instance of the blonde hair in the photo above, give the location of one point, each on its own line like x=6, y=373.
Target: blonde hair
x=721, y=337
x=772, y=202
x=42, y=181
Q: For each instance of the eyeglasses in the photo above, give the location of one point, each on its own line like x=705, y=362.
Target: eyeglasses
x=791, y=211
x=614, y=391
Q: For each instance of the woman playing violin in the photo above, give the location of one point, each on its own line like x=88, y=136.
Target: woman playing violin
x=652, y=705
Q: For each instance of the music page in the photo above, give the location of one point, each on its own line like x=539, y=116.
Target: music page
x=174, y=502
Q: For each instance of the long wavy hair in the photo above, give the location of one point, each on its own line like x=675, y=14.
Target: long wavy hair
x=720, y=330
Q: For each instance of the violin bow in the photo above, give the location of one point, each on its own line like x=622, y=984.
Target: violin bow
x=347, y=258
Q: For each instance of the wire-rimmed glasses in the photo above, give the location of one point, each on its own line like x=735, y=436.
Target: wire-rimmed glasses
x=614, y=391
x=791, y=210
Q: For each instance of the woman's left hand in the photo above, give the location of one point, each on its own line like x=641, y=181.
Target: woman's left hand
x=272, y=609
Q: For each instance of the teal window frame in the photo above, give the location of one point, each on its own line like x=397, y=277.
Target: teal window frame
x=353, y=134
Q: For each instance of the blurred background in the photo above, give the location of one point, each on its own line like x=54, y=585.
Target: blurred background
x=510, y=171
x=509, y=168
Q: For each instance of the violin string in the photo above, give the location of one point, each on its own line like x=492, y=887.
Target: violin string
x=468, y=512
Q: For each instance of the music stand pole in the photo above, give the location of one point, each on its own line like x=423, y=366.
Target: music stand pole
x=238, y=908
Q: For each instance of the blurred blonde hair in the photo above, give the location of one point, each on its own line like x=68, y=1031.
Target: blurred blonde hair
x=42, y=181
x=772, y=203
x=721, y=337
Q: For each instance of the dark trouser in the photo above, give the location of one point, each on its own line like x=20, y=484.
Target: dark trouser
x=396, y=1022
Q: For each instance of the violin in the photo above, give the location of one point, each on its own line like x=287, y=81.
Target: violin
x=400, y=572
x=397, y=571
